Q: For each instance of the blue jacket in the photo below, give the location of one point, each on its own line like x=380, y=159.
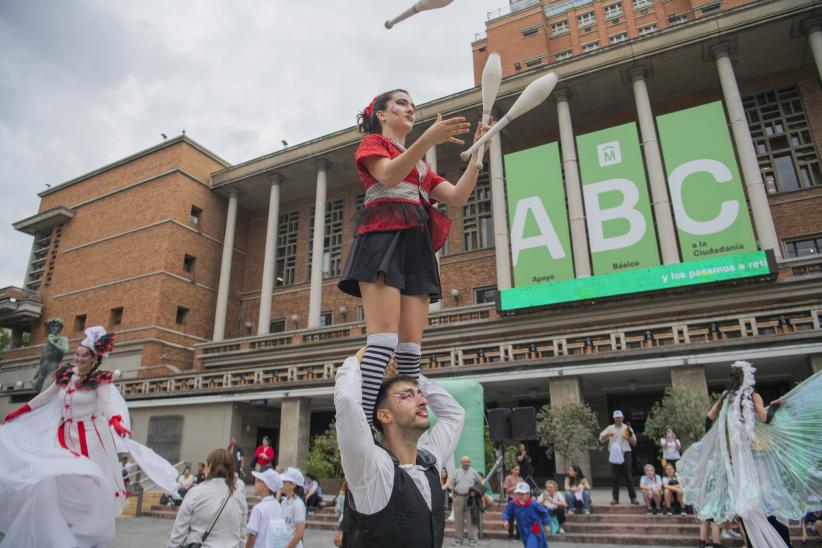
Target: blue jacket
x=530, y=517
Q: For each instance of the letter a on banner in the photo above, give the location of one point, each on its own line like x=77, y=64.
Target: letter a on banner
x=621, y=232
x=706, y=191
x=540, y=240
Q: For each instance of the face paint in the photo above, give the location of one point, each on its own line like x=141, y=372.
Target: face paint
x=404, y=398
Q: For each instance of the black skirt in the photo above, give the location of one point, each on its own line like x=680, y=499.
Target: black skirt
x=405, y=257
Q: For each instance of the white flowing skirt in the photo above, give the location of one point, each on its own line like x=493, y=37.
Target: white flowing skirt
x=55, y=497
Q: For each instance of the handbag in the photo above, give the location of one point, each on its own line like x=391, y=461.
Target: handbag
x=616, y=456
x=208, y=532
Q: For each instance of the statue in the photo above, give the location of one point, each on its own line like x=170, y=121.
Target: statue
x=52, y=355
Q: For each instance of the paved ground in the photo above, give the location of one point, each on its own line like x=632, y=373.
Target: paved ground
x=144, y=532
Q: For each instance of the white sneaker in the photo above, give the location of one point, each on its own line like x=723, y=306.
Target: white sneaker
x=561, y=531
x=729, y=534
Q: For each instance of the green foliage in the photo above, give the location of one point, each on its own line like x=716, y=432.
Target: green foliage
x=510, y=458
x=488, y=447
x=568, y=429
x=684, y=410
x=324, y=455
x=5, y=338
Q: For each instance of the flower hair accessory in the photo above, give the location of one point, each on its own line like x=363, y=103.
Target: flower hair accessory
x=98, y=341
x=744, y=401
x=369, y=110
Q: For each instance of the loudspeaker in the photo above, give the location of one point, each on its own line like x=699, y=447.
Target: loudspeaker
x=499, y=424
x=524, y=423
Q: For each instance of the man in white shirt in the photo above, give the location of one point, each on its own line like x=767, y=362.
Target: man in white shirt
x=395, y=496
x=464, y=479
x=620, y=438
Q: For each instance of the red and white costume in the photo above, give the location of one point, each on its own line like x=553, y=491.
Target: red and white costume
x=61, y=484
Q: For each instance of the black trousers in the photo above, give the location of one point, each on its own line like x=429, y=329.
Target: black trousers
x=623, y=469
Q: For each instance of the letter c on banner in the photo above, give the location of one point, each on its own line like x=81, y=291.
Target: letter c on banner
x=547, y=236
x=729, y=210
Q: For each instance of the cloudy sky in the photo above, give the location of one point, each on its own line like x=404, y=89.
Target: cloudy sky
x=86, y=82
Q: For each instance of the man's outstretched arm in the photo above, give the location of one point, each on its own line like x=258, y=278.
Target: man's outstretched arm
x=442, y=439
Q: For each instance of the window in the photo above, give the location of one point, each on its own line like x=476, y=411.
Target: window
x=533, y=62
x=188, y=263
x=590, y=46
x=586, y=19
x=196, y=214
x=164, y=435
x=530, y=31
x=326, y=318
x=617, y=38
x=485, y=295
x=360, y=313
x=647, y=29
x=711, y=7
x=677, y=19
x=805, y=247
x=332, y=243
x=477, y=222
x=276, y=326
x=115, y=317
x=182, y=315
x=559, y=27
x=783, y=140
x=39, y=258
x=639, y=4
x=612, y=10
x=79, y=322
x=286, y=267
x=565, y=54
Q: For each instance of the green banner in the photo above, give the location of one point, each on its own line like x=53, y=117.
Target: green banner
x=708, y=200
x=540, y=241
x=715, y=269
x=621, y=233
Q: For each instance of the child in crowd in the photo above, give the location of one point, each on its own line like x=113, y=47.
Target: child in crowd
x=530, y=517
x=293, y=505
x=651, y=485
x=266, y=522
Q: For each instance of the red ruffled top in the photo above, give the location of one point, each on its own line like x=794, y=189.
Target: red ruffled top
x=393, y=213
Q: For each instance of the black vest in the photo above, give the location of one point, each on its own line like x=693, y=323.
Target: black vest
x=406, y=521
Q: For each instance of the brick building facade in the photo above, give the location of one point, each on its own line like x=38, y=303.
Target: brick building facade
x=209, y=346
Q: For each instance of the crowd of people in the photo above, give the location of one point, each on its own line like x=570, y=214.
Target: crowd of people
x=214, y=509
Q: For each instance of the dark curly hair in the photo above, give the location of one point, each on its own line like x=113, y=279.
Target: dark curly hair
x=370, y=124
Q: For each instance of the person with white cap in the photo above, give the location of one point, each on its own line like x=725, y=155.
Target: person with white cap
x=395, y=497
x=293, y=506
x=530, y=517
x=620, y=438
x=268, y=510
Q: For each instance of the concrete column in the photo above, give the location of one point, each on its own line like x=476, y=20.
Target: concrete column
x=690, y=377
x=270, y=254
x=295, y=424
x=225, y=267
x=813, y=29
x=573, y=190
x=757, y=195
x=315, y=303
x=502, y=256
x=815, y=362
x=656, y=172
x=568, y=390
x=431, y=158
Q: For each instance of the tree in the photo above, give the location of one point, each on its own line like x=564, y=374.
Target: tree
x=681, y=409
x=5, y=338
x=324, y=455
x=567, y=429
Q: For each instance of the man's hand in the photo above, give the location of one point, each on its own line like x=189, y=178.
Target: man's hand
x=360, y=354
x=391, y=370
x=505, y=523
x=338, y=537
